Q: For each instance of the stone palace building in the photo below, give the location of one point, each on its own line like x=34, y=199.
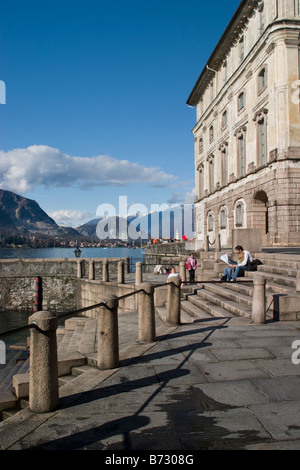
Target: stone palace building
x=247, y=136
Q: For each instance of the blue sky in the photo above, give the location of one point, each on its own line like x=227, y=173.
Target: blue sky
x=96, y=97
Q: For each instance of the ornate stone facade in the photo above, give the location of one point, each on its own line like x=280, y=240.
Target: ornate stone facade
x=247, y=136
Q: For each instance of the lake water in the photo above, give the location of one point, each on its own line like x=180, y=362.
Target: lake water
x=32, y=253
x=11, y=319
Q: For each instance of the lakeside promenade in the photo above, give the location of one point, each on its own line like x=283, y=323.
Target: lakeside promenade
x=214, y=384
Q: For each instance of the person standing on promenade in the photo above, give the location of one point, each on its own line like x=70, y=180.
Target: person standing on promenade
x=191, y=266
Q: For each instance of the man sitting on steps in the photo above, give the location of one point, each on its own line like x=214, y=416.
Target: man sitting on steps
x=244, y=259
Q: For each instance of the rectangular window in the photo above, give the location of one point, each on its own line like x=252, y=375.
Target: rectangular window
x=241, y=101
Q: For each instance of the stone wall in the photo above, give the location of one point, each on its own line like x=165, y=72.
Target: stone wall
x=59, y=281
x=92, y=292
x=18, y=293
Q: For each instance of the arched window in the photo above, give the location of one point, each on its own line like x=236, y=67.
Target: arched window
x=239, y=220
x=223, y=218
x=210, y=223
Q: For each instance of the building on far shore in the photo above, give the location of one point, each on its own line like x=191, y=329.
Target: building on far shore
x=247, y=136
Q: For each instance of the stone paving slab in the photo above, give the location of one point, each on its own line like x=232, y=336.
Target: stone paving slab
x=207, y=385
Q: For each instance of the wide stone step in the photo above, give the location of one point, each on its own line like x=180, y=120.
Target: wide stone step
x=281, y=270
x=210, y=307
x=272, y=279
x=194, y=312
x=225, y=291
x=231, y=307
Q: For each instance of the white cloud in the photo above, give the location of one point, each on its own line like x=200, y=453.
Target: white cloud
x=24, y=169
x=70, y=217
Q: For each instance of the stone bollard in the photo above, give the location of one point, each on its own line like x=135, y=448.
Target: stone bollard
x=146, y=314
x=105, y=273
x=258, y=301
x=138, y=273
x=121, y=273
x=182, y=271
x=173, y=302
x=43, y=381
x=108, y=335
x=91, y=270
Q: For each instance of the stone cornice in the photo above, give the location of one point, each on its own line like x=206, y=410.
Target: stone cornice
x=230, y=36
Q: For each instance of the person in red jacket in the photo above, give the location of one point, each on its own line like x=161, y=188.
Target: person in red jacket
x=191, y=266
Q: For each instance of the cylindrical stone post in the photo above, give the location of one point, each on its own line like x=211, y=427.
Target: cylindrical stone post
x=105, y=273
x=91, y=270
x=108, y=335
x=182, y=271
x=173, y=302
x=146, y=314
x=258, y=301
x=43, y=379
x=138, y=273
x=121, y=272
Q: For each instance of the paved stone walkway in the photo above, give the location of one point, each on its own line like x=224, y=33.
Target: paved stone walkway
x=214, y=384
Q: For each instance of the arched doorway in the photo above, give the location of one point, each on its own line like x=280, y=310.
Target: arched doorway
x=260, y=215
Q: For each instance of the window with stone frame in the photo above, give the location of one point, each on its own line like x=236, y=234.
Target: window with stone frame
x=262, y=80
x=200, y=145
x=241, y=101
x=210, y=223
x=224, y=119
x=223, y=218
x=239, y=215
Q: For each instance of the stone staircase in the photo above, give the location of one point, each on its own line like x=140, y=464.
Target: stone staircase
x=235, y=298
x=77, y=339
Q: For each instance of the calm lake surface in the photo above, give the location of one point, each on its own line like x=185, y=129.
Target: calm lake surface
x=12, y=319
x=32, y=253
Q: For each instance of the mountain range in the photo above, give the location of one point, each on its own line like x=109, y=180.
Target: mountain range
x=22, y=216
